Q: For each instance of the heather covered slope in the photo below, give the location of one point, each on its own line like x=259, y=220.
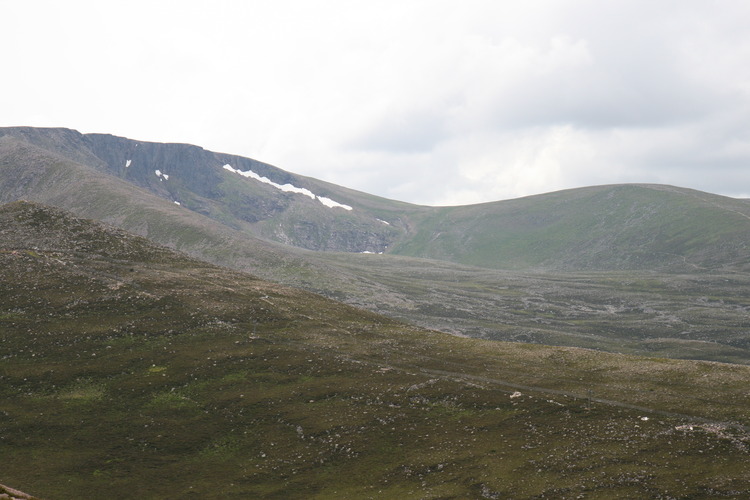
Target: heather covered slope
x=131, y=371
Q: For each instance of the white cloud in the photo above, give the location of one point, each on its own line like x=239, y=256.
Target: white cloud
x=432, y=102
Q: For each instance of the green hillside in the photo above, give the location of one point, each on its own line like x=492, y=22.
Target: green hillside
x=131, y=371
x=598, y=228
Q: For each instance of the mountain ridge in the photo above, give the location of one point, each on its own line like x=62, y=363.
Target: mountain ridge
x=195, y=178
x=620, y=226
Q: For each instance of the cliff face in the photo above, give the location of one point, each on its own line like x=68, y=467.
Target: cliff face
x=262, y=200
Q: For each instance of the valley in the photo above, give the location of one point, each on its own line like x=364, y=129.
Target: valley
x=170, y=328
x=132, y=370
x=693, y=316
x=642, y=269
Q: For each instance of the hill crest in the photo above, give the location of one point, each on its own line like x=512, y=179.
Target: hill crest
x=610, y=227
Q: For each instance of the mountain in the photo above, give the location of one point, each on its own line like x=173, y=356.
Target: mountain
x=130, y=370
x=640, y=269
x=272, y=204
x=618, y=227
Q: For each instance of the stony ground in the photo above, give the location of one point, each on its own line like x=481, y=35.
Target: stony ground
x=132, y=372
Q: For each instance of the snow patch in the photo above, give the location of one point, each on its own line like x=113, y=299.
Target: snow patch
x=384, y=222
x=516, y=395
x=177, y=203
x=127, y=163
x=332, y=204
x=287, y=188
x=158, y=173
x=161, y=175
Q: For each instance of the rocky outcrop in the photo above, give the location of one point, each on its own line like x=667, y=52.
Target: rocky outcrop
x=7, y=493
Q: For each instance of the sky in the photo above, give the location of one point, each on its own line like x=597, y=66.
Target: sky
x=431, y=102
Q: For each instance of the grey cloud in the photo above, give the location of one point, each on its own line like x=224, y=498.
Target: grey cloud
x=403, y=132
x=610, y=93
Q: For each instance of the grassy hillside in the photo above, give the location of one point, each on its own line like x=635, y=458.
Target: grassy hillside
x=599, y=228
x=131, y=371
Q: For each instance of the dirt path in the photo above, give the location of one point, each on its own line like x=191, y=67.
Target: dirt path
x=609, y=402
x=512, y=386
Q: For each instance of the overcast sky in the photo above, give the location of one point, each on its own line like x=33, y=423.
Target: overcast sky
x=432, y=102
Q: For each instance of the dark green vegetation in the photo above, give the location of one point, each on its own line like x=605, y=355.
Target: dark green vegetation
x=131, y=371
x=653, y=270
x=690, y=316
